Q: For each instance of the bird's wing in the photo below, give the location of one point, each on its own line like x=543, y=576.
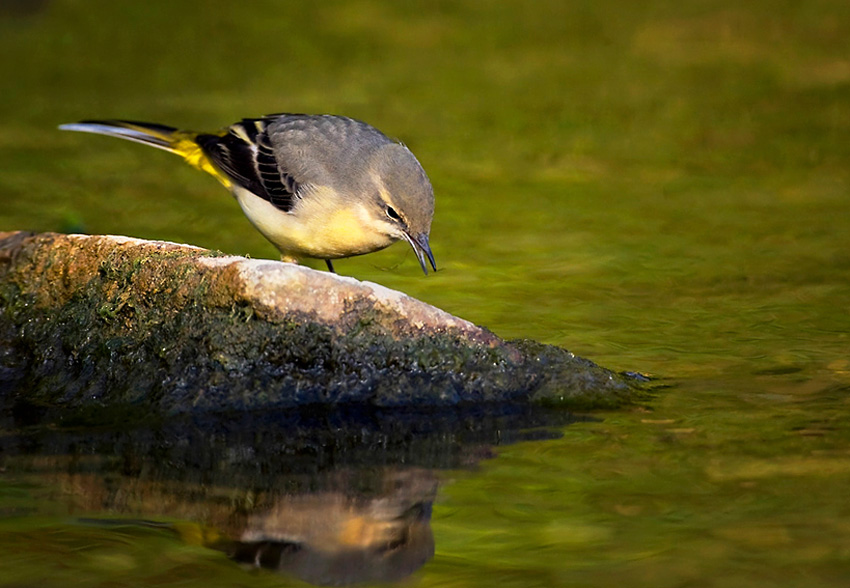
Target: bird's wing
x=245, y=155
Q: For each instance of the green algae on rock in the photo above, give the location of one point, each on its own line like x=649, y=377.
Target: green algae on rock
x=106, y=321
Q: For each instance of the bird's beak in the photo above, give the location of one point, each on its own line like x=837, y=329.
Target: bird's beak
x=422, y=250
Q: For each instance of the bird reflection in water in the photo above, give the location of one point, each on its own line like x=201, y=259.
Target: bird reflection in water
x=333, y=539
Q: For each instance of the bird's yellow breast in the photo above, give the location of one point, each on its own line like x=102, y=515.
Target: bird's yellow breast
x=321, y=225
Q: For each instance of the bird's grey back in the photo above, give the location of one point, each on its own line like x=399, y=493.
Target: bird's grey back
x=325, y=149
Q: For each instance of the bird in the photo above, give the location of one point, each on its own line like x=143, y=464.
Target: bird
x=321, y=186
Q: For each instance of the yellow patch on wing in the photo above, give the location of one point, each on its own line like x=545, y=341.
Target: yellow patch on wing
x=183, y=143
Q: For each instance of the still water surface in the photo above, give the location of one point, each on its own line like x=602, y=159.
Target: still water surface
x=663, y=189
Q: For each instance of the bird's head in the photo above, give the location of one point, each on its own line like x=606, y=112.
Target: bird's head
x=403, y=201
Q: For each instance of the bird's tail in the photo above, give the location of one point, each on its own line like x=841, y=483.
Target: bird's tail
x=182, y=143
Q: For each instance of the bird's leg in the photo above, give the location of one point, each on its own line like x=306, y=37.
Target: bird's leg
x=330, y=266
x=288, y=258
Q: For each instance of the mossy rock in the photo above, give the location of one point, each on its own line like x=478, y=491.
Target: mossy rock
x=96, y=321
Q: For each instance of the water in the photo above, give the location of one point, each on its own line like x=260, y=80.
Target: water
x=660, y=188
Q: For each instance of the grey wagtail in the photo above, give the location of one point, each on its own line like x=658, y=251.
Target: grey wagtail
x=319, y=186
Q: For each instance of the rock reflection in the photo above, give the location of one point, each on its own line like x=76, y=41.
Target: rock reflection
x=330, y=497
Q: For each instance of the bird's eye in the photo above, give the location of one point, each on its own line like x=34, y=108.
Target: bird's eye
x=393, y=214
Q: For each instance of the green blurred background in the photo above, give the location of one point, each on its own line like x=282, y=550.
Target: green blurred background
x=659, y=186
x=607, y=174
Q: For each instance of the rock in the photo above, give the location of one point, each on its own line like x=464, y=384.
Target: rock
x=92, y=322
